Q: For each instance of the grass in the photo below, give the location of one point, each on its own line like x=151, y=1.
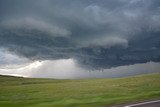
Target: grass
x=27, y=92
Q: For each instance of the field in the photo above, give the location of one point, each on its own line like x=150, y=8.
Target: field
x=28, y=92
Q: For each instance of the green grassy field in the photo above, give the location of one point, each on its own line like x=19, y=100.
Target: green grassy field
x=23, y=92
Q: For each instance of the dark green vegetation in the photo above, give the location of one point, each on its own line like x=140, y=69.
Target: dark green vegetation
x=22, y=92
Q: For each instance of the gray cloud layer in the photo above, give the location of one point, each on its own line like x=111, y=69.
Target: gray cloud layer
x=71, y=70
x=99, y=33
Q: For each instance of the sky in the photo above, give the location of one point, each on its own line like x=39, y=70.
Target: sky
x=79, y=38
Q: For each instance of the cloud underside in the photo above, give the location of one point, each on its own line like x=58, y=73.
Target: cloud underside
x=97, y=34
x=66, y=68
x=69, y=69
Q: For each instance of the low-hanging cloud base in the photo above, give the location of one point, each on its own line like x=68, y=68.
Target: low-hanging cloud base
x=69, y=69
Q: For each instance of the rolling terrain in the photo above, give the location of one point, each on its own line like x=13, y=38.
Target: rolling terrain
x=29, y=92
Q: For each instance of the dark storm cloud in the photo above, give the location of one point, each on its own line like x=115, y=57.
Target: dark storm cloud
x=100, y=33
